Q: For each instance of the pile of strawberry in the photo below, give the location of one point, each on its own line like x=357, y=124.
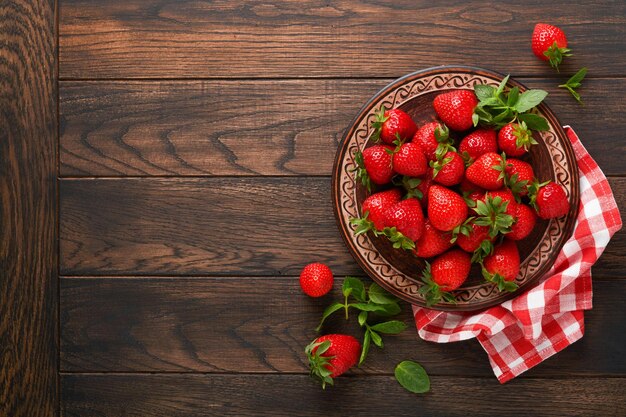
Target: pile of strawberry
x=458, y=202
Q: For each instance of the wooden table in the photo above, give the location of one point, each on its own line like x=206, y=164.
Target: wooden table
x=165, y=176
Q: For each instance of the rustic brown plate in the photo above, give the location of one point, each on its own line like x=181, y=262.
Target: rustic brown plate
x=398, y=271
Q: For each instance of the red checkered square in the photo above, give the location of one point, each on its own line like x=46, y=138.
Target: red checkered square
x=523, y=332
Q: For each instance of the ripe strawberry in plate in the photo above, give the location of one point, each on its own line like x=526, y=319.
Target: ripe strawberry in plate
x=448, y=171
x=515, y=139
x=393, y=124
x=331, y=355
x=502, y=266
x=495, y=211
x=446, y=209
x=474, y=238
x=407, y=217
x=487, y=171
x=316, y=279
x=446, y=273
x=478, y=142
x=455, y=108
x=525, y=220
x=433, y=136
x=519, y=175
x=549, y=43
x=549, y=199
x=373, y=210
x=409, y=159
x=433, y=242
x=375, y=165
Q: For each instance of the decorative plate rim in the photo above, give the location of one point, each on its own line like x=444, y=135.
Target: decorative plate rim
x=395, y=281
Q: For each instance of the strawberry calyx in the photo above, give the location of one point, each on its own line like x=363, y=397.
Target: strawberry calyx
x=361, y=172
x=485, y=249
x=501, y=167
x=555, y=55
x=503, y=285
x=516, y=186
x=444, y=142
x=432, y=291
x=524, y=137
x=410, y=184
x=533, y=190
x=364, y=225
x=492, y=213
x=464, y=228
x=320, y=366
x=398, y=240
x=377, y=124
x=438, y=165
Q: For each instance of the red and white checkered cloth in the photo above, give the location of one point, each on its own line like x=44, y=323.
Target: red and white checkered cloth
x=521, y=333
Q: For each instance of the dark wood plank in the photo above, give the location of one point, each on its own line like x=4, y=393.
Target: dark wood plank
x=150, y=38
x=262, y=325
x=28, y=209
x=221, y=127
x=296, y=395
x=216, y=226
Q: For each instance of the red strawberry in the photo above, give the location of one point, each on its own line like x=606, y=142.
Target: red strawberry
x=450, y=170
x=456, y=108
x=549, y=199
x=525, y=219
x=549, y=43
x=316, y=279
x=331, y=355
x=446, y=273
x=376, y=205
x=487, y=171
x=502, y=266
x=477, y=143
x=515, y=139
x=374, y=165
x=519, y=175
x=474, y=239
x=506, y=196
x=446, y=209
x=432, y=136
x=409, y=160
x=432, y=242
x=393, y=124
x=407, y=217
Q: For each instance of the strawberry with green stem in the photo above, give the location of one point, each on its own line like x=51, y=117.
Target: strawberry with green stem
x=493, y=213
x=515, y=139
x=502, y=266
x=374, y=165
x=434, y=139
x=373, y=209
x=331, y=355
x=549, y=43
x=518, y=175
x=449, y=169
x=392, y=124
x=446, y=273
x=548, y=199
x=487, y=171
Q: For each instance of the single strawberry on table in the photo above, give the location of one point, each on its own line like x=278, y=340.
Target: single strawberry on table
x=407, y=217
x=455, y=108
x=374, y=165
x=449, y=170
x=515, y=139
x=373, y=210
x=331, y=355
x=502, y=266
x=316, y=279
x=409, y=159
x=433, y=241
x=487, y=171
x=478, y=142
x=393, y=124
x=548, y=199
x=446, y=209
x=549, y=43
x=446, y=273
x=433, y=136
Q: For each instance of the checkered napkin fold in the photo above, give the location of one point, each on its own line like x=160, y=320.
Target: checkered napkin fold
x=521, y=333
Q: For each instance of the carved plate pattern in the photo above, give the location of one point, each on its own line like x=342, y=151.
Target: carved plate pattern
x=557, y=163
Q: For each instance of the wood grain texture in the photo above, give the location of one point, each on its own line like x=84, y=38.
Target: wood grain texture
x=217, y=226
x=28, y=249
x=350, y=38
x=261, y=325
x=296, y=395
x=208, y=128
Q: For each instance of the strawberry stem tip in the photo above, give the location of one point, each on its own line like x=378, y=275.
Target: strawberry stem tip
x=377, y=124
x=555, y=55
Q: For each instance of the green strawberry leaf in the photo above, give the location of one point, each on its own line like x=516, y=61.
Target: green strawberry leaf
x=529, y=99
x=328, y=312
x=353, y=286
x=390, y=327
x=379, y=296
x=412, y=376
